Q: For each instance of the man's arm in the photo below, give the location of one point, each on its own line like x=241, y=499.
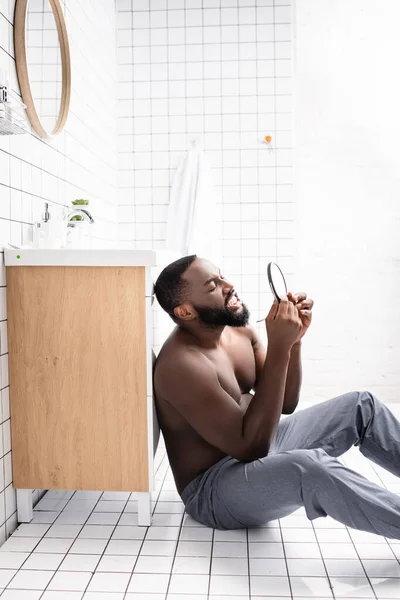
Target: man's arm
x=189, y=382
x=293, y=380
x=294, y=374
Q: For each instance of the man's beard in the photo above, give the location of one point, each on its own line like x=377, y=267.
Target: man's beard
x=218, y=317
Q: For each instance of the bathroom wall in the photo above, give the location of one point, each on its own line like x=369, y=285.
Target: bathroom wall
x=347, y=185
x=81, y=162
x=218, y=72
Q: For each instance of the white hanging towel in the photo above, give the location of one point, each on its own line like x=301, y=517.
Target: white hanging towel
x=191, y=227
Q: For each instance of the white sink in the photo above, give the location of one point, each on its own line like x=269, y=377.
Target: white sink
x=107, y=257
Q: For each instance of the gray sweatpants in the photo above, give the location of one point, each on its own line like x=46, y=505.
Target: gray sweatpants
x=301, y=470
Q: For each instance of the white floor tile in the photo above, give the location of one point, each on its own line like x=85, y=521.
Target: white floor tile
x=157, y=548
x=44, y=516
x=396, y=550
x=57, y=595
x=70, y=581
x=233, y=535
x=54, y=545
x=364, y=537
x=162, y=533
x=31, y=580
x=87, y=495
x=224, y=597
x=115, y=506
x=333, y=535
x=73, y=518
x=132, y=507
x=372, y=551
x=266, y=550
x=75, y=505
x=148, y=583
x=116, y=496
x=148, y=564
x=117, y=564
x=267, y=567
x=109, y=582
x=139, y=596
x=306, y=567
x=5, y=577
x=275, y=598
x=51, y=504
x=99, y=518
x=169, y=507
x=129, y=532
x=386, y=588
x=194, y=549
x=43, y=562
x=311, y=586
x=35, y=530
x=92, y=532
x=352, y=587
x=338, y=551
x=382, y=568
x=185, y=584
x=64, y=494
x=19, y=544
x=229, y=585
x=12, y=560
x=172, y=520
x=22, y=595
x=110, y=596
x=265, y=535
x=344, y=568
x=269, y=585
x=63, y=531
x=79, y=562
x=229, y=549
x=88, y=546
x=230, y=566
x=127, y=518
x=169, y=496
x=188, y=597
x=300, y=550
x=296, y=535
x=129, y=547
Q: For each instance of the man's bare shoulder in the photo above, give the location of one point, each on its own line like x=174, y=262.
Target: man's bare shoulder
x=175, y=350
x=249, y=332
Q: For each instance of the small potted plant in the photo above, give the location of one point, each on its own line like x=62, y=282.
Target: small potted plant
x=78, y=203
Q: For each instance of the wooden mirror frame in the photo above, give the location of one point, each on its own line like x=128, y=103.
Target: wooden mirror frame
x=21, y=8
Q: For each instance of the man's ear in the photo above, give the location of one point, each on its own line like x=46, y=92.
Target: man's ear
x=184, y=312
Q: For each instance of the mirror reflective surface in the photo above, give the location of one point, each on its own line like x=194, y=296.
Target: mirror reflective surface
x=44, y=61
x=276, y=280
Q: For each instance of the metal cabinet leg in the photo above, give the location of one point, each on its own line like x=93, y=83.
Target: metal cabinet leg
x=24, y=506
x=144, y=508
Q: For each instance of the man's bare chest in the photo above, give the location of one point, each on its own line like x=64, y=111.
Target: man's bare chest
x=236, y=369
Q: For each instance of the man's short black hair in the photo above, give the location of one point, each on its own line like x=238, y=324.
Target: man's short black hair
x=170, y=287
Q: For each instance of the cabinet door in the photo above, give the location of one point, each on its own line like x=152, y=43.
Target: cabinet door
x=78, y=381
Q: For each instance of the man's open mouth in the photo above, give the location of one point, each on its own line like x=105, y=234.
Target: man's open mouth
x=233, y=300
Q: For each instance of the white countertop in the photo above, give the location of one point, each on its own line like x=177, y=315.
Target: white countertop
x=107, y=257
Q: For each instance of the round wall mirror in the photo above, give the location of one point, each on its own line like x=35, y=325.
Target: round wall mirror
x=43, y=63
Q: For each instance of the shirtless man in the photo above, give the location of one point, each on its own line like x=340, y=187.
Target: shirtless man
x=236, y=463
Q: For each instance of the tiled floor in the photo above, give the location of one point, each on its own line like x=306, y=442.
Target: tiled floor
x=88, y=545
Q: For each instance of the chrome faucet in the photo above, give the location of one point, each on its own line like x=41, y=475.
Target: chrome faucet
x=79, y=211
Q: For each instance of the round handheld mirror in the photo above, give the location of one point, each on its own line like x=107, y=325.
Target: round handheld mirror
x=276, y=281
